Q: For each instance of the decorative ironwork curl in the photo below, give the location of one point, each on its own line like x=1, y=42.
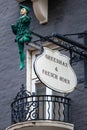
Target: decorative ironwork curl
x=40, y=107
x=23, y=93
x=34, y=110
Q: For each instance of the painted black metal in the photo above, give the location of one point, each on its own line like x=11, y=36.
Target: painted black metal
x=80, y=35
x=39, y=107
x=72, y=42
x=67, y=43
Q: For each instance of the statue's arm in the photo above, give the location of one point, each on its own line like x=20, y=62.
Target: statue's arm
x=14, y=28
x=27, y=19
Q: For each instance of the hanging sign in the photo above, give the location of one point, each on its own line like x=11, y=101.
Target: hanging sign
x=55, y=71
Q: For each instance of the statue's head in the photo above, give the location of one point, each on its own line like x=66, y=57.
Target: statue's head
x=24, y=9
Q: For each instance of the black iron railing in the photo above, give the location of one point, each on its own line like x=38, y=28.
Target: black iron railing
x=40, y=107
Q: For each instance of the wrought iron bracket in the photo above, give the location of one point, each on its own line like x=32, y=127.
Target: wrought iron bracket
x=74, y=47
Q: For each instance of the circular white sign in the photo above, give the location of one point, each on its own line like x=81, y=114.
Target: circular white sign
x=55, y=71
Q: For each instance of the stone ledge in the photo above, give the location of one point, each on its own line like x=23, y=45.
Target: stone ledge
x=41, y=125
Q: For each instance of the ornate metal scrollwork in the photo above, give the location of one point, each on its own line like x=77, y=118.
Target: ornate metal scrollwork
x=39, y=107
x=22, y=93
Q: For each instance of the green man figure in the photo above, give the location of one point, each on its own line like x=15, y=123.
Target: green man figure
x=22, y=32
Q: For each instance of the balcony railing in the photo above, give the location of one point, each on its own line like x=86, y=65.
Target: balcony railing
x=39, y=107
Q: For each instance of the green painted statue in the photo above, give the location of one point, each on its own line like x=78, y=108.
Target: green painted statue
x=22, y=32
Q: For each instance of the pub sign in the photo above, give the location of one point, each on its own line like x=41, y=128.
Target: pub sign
x=55, y=71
